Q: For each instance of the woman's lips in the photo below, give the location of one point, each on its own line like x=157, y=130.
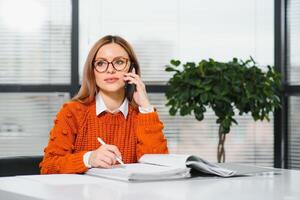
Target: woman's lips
x=111, y=80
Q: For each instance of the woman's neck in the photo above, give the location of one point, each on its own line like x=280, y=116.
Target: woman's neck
x=112, y=100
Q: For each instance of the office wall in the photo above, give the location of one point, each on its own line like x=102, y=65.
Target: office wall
x=190, y=30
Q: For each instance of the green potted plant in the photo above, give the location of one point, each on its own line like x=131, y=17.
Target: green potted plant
x=226, y=87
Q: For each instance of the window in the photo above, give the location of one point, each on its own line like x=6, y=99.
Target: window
x=35, y=70
x=25, y=121
x=35, y=46
x=249, y=142
x=190, y=31
x=293, y=82
x=294, y=135
x=293, y=27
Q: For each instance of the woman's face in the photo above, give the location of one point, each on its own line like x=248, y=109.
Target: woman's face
x=111, y=80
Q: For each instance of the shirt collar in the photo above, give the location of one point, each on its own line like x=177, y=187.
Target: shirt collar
x=101, y=107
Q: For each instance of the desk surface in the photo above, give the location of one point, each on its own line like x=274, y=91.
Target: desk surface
x=270, y=186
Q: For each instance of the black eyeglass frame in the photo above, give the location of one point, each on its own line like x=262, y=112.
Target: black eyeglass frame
x=108, y=63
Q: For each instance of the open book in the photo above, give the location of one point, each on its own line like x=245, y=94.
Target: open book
x=172, y=166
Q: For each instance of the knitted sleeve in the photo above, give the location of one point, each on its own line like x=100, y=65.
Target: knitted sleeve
x=150, y=138
x=59, y=156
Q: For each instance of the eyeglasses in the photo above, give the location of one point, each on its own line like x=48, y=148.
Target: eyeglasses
x=118, y=64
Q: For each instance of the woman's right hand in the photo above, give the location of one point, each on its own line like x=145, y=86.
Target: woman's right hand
x=104, y=156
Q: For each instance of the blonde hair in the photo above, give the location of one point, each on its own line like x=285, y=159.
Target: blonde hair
x=88, y=89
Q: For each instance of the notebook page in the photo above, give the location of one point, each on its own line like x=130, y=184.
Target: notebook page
x=174, y=160
x=137, y=171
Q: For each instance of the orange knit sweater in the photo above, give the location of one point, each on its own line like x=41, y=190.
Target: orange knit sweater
x=76, y=128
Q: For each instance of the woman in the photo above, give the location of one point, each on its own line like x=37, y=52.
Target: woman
x=103, y=108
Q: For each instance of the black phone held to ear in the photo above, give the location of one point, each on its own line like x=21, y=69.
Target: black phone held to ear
x=129, y=88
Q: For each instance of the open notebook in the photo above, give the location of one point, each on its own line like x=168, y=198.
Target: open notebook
x=173, y=166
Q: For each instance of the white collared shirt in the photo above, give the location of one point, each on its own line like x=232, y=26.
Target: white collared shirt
x=101, y=107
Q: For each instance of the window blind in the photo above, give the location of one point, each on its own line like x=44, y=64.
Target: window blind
x=293, y=73
x=248, y=142
x=294, y=134
x=35, y=41
x=293, y=31
x=190, y=30
x=26, y=120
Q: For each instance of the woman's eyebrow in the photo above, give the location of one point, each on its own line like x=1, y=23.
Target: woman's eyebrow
x=102, y=58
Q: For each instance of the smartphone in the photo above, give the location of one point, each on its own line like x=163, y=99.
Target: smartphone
x=129, y=88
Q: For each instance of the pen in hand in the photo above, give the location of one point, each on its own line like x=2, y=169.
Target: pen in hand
x=117, y=158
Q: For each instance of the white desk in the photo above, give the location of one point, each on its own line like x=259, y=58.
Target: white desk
x=267, y=187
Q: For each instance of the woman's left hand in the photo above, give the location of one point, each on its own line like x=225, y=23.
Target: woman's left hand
x=140, y=95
